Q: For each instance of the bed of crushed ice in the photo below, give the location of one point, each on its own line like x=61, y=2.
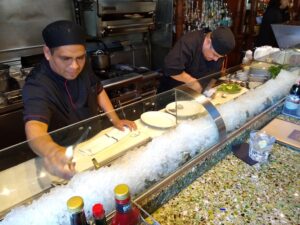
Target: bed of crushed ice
x=152, y=162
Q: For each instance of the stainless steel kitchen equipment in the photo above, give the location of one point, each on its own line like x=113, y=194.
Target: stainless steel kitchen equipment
x=4, y=77
x=100, y=60
x=108, y=18
x=151, y=21
x=125, y=84
x=22, y=23
x=11, y=122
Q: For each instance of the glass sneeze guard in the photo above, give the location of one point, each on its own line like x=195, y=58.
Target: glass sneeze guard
x=173, y=127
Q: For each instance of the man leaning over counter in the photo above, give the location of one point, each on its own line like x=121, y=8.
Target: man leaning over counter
x=61, y=91
x=195, y=55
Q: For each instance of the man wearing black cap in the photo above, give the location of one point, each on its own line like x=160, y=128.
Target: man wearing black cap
x=194, y=56
x=62, y=91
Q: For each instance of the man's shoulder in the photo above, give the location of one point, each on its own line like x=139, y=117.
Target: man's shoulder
x=272, y=12
x=193, y=36
x=37, y=79
x=37, y=73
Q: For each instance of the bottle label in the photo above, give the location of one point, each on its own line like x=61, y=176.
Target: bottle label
x=123, y=208
x=292, y=102
x=78, y=219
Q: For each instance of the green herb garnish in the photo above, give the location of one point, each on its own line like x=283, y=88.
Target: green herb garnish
x=230, y=88
x=275, y=70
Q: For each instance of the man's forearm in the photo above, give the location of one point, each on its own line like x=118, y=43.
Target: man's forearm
x=105, y=104
x=189, y=81
x=54, y=158
x=38, y=138
x=184, y=77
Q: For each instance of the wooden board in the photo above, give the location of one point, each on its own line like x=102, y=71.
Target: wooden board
x=285, y=132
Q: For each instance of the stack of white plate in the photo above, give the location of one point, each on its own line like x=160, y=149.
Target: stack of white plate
x=242, y=75
x=259, y=72
x=258, y=78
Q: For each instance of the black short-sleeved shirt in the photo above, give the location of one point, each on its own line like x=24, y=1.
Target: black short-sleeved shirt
x=50, y=98
x=266, y=35
x=186, y=56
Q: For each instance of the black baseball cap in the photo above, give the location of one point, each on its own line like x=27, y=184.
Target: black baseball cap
x=223, y=40
x=63, y=32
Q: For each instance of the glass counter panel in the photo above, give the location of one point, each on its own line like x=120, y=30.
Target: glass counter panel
x=102, y=145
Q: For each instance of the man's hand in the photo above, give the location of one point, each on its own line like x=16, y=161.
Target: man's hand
x=58, y=164
x=54, y=158
x=106, y=105
x=120, y=124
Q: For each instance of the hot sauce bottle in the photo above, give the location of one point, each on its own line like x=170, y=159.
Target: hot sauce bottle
x=126, y=213
x=75, y=206
x=99, y=215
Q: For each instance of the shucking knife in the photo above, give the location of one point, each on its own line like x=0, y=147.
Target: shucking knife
x=70, y=149
x=209, y=91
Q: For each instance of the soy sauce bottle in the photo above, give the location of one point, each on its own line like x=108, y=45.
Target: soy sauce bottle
x=75, y=207
x=126, y=213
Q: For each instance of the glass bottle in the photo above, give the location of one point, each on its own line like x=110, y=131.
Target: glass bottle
x=295, y=90
x=75, y=207
x=99, y=215
x=292, y=102
x=126, y=213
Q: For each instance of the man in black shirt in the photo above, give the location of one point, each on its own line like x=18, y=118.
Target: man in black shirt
x=194, y=56
x=61, y=91
x=277, y=12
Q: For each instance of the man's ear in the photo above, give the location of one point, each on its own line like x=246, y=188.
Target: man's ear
x=47, y=52
x=207, y=40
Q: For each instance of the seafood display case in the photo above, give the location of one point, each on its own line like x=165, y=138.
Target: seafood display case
x=175, y=136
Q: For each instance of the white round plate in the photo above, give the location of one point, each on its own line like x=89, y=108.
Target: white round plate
x=158, y=119
x=184, y=108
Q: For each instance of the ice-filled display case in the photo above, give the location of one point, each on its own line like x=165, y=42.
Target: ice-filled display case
x=176, y=131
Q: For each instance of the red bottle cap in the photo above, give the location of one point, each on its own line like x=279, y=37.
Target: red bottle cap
x=98, y=211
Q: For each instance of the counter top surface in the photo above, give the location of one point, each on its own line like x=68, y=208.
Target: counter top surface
x=235, y=193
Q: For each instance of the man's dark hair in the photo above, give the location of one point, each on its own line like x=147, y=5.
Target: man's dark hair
x=274, y=4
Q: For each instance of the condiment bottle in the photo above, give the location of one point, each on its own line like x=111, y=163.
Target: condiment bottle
x=99, y=215
x=292, y=102
x=126, y=213
x=75, y=206
x=295, y=90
